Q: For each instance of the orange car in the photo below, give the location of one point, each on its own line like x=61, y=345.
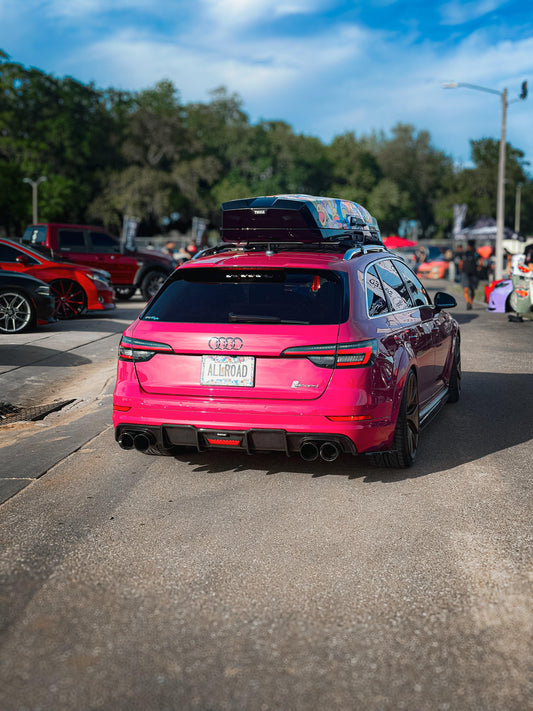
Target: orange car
x=434, y=266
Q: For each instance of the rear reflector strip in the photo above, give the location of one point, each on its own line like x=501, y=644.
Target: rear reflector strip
x=230, y=442
x=348, y=418
x=121, y=408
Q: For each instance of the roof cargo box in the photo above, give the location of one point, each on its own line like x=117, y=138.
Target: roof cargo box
x=297, y=218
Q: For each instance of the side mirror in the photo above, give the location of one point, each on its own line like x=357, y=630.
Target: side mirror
x=22, y=259
x=443, y=300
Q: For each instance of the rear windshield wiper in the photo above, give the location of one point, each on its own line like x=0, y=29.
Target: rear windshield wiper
x=256, y=318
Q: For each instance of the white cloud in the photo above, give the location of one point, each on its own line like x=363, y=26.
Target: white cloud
x=238, y=13
x=457, y=12
x=72, y=9
x=341, y=77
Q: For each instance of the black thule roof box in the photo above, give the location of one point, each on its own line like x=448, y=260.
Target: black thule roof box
x=297, y=219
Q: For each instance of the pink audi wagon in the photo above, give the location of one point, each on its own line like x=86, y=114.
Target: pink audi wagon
x=299, y=333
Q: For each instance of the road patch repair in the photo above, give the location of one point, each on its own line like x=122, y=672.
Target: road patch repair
x=17, y=413
x=34, y=438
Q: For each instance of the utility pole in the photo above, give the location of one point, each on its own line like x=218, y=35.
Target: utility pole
x=500, y=204
x=34, y=185
x=500, y=200
x=517, y=208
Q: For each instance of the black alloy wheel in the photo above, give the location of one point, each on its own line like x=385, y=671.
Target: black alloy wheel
x=123, y=293
x=454, y=386
x=151, y=283
x=405, y=443
x=17, y=313
x=70, y=297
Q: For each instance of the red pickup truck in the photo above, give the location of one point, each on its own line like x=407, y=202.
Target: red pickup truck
x=130, y=269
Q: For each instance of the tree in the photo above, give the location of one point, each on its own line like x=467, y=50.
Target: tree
x=418, y=170
x=477, y=186
x=54, y=127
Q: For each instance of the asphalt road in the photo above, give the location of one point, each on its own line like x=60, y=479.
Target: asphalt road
x=220, y=582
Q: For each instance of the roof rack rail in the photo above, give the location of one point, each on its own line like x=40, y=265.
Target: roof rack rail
x=364, y=249
x=349, y=247
x=215, y=249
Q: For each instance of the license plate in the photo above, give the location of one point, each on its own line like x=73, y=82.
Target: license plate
x=233, y=371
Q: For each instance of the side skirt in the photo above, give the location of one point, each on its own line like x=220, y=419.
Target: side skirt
x=429, y=411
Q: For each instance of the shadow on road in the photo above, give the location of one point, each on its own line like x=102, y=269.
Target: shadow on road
x=495, y=412
x=465, y=318
x=38, y=355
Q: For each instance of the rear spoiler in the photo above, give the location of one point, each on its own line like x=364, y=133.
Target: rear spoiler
x=297, y=219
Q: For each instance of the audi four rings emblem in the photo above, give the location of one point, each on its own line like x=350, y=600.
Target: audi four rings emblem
x=221, y=343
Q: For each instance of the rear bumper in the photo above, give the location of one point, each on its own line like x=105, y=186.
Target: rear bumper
x=280, y=426
x=251, y=441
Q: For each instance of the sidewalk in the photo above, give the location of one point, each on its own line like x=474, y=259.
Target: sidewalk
x=69, y=361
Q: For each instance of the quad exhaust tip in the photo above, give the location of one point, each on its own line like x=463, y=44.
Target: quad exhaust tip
x=141, y=441
x=328, y=451
x=310, y=450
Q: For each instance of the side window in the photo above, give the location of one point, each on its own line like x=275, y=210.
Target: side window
x=375, y=297
x=418, y=294
x=395, y=289
x=102, y=242
x=9, y=254
x=34, y=235
x=72, y=240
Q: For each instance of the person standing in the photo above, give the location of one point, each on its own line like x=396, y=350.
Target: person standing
x=457, y=259
x=469, y=268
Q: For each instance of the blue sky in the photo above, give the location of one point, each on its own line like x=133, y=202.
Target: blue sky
x=323, y=66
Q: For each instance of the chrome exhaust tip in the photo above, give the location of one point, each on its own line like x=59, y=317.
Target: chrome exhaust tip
x=309, y=451
x=329, y=451
x=126, y=440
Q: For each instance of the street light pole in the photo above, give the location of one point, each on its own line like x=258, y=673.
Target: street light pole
x=500, y=201
x=500, y=204
x=518, y=197
x=34, y=184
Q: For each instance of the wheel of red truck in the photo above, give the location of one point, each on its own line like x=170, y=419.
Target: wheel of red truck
x=151, y=283
x=123, y=293
x=71, y=300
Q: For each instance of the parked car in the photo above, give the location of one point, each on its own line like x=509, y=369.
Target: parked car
x=300, y=333
x=434, y=266
x=406, y=254
x=24, y=302
x=76, y=289
x=131, y=269
x=497, y=295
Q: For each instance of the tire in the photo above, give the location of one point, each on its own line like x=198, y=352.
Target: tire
x=17, y=313
x=71, y=300
x=151, y=283
x=123, y=293
x=402, y=454
x=454, y=386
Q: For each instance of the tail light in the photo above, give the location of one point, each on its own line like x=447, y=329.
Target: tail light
x=133, y=349
x=340, y=355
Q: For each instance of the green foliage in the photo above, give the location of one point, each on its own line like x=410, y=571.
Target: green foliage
x=110, y=153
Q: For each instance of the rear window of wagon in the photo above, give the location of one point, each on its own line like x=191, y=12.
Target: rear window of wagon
x=297, y=296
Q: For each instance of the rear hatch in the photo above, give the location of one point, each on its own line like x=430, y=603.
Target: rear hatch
x=242, y=333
